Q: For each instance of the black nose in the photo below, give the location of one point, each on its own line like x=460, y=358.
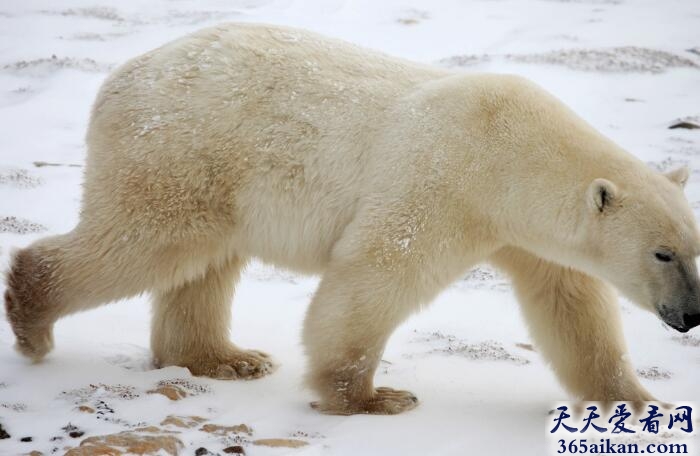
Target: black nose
x=691, y=321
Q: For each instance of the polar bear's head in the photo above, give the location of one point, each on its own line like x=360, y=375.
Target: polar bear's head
x=643, y=238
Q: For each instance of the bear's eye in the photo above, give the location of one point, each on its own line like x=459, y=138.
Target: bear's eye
x=663, y=257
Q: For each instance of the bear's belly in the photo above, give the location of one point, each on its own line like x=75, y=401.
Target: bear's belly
x=295, y=230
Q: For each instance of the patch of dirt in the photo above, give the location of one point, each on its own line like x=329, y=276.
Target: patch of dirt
x=192, y=388
x=488, y=350
x=102, y=391
x=104, y=13
x=14, y=406
x=307, y=435
x=687, y=340
x=413, y=17
x=626, y=59
x=93, y=36
x=654, y=373
x=667, y=164
x=524, y=346
x=18, y=178
x=464, y=60
x=185, y=422
x=45, y=66
x=197, y=17
x=223, y=431
x=41, y=164
x=280, y=443
x=12, y=224
x=680, y=145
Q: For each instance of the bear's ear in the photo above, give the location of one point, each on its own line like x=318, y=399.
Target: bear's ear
x=601, y=194
x=679, y=176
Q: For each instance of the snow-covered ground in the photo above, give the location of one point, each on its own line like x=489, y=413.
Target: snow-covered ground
x=629, y=67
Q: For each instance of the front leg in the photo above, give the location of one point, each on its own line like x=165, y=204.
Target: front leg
x=575, y=322
x=353, y=313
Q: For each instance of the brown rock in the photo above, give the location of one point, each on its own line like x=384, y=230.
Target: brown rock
x=186, y=422
x=86, y=409
x=224, y=430
x=128, y=442
x=280, y=443
x=35, y=453
x=172, y=392
x=94, y=450
x=236, y=449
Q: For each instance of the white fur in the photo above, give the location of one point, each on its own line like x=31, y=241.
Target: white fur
x=388, y=177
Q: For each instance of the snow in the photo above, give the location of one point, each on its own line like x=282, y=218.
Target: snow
x=627, y=67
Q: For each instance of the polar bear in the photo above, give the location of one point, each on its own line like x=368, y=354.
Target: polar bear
x=388, y=178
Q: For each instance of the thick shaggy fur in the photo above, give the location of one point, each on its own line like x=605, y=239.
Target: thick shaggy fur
x=389, y=178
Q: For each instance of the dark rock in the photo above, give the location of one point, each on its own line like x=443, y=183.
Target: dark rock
x=25, y=439
x=684, y=124
x=3, y=433
x=76, y=434
x=236, y=449
x=201, y=451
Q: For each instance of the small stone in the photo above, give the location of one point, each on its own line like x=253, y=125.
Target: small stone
x=35, y=453
x=236, y=449
x=172, y=392
x=280, y=443
x=86, y=409
x=76, y=434
x=201, y=451
x=25, y=439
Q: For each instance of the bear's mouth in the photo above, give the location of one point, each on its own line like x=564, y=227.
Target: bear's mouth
x=689, y=322
x=680, y=329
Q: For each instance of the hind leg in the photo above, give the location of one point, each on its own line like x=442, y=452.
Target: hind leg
x=60, y=275
x=191, y=325
x=83, y=269
x=575, y=322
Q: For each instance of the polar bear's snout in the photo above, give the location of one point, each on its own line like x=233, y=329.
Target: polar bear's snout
x=684, y=315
